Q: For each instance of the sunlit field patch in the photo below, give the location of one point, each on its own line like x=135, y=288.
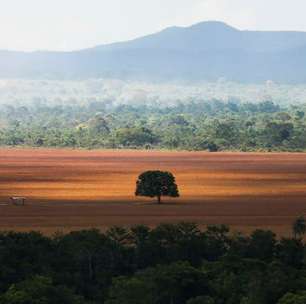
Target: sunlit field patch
x=72, y=189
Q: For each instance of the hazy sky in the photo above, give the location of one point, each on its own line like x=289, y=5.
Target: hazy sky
x=75, y=24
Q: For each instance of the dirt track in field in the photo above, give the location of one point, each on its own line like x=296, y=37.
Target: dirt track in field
x=68, y=189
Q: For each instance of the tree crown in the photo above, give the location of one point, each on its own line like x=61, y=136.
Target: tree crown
x=156, y=184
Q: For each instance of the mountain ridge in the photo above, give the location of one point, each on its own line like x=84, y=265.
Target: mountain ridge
x=206, y=51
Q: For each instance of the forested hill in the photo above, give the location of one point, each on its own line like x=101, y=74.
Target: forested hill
x=205, y=51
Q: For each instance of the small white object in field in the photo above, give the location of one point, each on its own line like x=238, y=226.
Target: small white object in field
x=18, y=200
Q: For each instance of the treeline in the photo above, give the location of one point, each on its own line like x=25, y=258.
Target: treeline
x=207, y=125
x=170, y=264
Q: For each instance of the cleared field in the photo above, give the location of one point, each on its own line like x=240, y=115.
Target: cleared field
x=69, y=189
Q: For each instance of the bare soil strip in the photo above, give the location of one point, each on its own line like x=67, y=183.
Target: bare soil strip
x=73, y=189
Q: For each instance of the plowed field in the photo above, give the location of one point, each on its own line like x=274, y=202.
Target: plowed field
x=70, y=189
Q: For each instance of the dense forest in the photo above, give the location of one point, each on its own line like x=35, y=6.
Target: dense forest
x=212, y=125
x=170, y=264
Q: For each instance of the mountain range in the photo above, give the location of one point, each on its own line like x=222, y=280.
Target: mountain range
x=207, y=51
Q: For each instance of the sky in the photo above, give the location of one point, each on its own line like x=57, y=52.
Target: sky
x=65, y=25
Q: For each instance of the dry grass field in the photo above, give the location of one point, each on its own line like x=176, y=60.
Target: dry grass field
x=69, y=189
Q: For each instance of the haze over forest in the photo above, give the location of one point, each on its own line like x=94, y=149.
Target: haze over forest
x=205, y=87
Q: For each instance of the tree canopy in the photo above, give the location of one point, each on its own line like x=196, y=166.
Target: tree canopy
x=156, y=184
x=179, y=263
x=210, y=125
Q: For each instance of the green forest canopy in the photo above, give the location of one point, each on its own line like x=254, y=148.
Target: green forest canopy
x=171, y=263
x=204, y=125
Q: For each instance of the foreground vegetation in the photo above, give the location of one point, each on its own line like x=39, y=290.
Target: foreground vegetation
x=213, y=125
x=175, y=264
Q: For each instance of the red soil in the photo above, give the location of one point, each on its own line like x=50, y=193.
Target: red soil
x=69, y=189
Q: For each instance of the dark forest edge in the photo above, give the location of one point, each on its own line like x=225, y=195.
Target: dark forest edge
x=212, y=125
x=171, y=263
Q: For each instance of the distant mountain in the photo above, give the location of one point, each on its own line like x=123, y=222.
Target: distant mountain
x=204, y=51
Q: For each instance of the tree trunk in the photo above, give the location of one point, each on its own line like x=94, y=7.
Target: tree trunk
x=159, y=199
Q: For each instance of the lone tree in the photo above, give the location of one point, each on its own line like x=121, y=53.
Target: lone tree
x=156, y=184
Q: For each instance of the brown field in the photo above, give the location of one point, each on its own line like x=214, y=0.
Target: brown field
x=69, y=189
